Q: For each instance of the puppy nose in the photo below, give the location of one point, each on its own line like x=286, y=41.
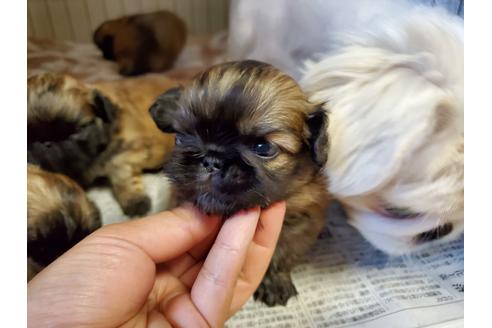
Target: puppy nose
x=212, y=163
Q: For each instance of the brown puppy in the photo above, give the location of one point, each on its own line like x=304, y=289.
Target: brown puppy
x=142, y=43
x=100, y=130
x=59, y=215
x=246, y=136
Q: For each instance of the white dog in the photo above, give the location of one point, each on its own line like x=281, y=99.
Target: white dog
x=391, y=74
x=395, y=96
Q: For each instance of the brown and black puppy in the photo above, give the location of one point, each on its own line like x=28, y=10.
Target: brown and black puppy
x=59, y=215
x=246, y=136
x=100, y=130
x=68, y=125
x=142, y=43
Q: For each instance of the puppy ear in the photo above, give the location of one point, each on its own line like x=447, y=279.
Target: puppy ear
x=104, y=108
x=163, y=109
x=318, y=142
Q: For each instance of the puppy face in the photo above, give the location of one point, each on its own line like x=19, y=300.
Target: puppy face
x=396, y=130
x=68, y=124
x=244, y=135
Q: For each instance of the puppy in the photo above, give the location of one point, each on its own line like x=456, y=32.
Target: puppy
x=247, y=136
x=395, y=95
x=100, y=130
x=142, y=43
x=59, y=215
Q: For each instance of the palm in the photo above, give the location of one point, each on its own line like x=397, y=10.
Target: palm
x=171, y=284
x=111, y=278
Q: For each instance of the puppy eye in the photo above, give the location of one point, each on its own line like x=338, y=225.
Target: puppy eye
x=265, y=149
x=400, y=213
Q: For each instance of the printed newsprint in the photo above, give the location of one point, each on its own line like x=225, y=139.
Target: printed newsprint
x=347, y=283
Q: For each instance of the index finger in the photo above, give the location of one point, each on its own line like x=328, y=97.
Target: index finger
x=259, y=254
x=218, y=275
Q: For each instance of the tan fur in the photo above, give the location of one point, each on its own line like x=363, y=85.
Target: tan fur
x=306, y=212
x=145, y=42
x=288, y=107
x=52, y=94
x=59, y=215
x=47, y=192
x=136, y=144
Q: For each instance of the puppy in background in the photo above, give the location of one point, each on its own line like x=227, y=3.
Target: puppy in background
x=142, y=43
x=59, y=215
x=395, y=96
x=100, y=130
x=246, y=135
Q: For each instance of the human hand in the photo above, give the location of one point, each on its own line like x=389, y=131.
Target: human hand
x=167, y=270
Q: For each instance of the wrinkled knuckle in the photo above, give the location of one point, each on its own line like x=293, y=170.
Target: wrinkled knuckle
x=227, y=248
x=215, y=277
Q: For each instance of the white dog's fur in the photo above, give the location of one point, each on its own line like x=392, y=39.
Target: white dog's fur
x=391, y=75
x=287, y=32
x=395, y=96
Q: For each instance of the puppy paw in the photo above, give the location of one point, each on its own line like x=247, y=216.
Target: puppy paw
x=275, y=290
x=137, y=206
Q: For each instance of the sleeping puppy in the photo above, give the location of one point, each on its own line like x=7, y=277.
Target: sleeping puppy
x=59, y=215
x=142, y=43
x=395, y=96
x=68, y=125
x=99, y=130
x=247, y=136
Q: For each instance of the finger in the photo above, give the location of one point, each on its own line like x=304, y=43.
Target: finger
x=181, y=312
x=200, y=250
x=157, y=320
x=188, y=278
x=179, y=265
x=182, y=263
x=218, y=275
x=162, y=236
x=270, y=225
x=259, y=254
x=262, y=247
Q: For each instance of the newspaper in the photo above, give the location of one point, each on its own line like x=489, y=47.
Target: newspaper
x=344, y=281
